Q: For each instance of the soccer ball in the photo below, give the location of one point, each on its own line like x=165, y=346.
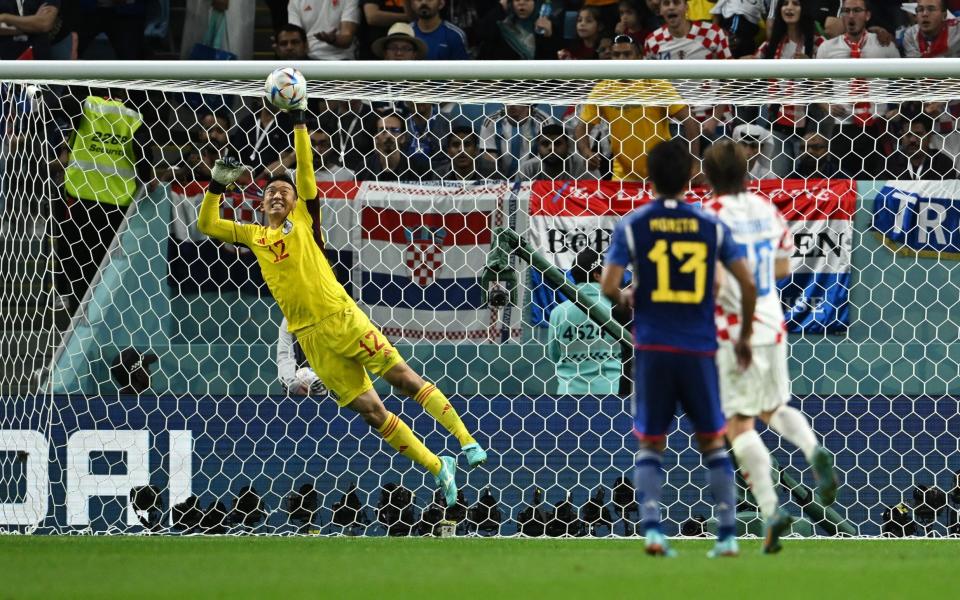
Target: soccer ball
x=285, y=88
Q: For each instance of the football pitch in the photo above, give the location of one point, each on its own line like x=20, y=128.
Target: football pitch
x=392, y=568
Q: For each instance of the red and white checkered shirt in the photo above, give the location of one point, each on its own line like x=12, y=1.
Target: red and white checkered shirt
x=758, y=226
x=703, y=41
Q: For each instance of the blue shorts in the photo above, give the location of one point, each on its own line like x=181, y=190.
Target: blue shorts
x=662, y=380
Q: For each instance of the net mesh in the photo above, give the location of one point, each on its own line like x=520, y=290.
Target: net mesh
x=97, y=297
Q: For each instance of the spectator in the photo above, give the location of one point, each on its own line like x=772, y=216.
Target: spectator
x=587, y=358
x=108, y=164
x=936, y=34
x=379, y=16
x=915, y=157
x=591, y=42
x=331, y=27
x=388, y=161
x=400, y=43
x=608, y=12
x=825, y=15
x=553, y=160
x=426, y=130
x=131, y=371
x=295, y=375
x=212, y=140
x=946, y=136
x=522, y=35
x=757, y=143
x=683, y=39
x=634, y=129
x=240, y=16
x=444, y=40
x=355, y=120
x=26, y=24
x=741, y=20
x=793, y=36
x=638, y=19
x=290, y=43
x=859, y=125
x=262, y=141
x=468, y=15
x=327, y=153
x=463, y=156
x=507, y=136
x=816, y=162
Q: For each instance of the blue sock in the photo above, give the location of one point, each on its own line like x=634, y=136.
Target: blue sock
x=648, y=479
x=721, y=486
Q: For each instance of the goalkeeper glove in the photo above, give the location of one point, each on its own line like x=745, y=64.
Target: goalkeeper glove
x=225, y=172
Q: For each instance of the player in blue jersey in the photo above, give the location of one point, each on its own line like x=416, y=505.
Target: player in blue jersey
x=673, y=249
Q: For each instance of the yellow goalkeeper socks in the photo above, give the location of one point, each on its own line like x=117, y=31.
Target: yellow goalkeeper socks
x=435, y=403
x=401, y=437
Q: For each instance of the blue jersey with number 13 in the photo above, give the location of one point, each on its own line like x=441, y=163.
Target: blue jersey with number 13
x=673, y=248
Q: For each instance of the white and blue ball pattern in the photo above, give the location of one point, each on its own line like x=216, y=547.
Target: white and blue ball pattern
x=285, y=88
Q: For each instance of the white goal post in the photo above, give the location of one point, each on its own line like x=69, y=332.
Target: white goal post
x=94, y=299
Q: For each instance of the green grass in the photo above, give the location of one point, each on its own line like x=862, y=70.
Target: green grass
x=139, y=567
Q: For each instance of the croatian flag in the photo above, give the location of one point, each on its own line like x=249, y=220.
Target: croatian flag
x=820, y=214
x=421, y=251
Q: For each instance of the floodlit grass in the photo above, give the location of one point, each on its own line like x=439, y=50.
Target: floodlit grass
x=501, y=569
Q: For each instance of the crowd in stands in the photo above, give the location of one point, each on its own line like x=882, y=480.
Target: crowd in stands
x=399, y=140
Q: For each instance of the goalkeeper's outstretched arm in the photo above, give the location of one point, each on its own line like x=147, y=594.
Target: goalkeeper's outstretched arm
x=306, y=181
x=225, y=172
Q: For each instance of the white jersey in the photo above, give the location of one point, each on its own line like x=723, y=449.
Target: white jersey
x=321, y=16
x=946, y=44
x=759, y=227
x=841, y=46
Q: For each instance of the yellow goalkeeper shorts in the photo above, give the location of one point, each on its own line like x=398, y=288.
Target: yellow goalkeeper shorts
x=342, y=348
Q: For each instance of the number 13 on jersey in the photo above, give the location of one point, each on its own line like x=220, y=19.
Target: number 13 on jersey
x=682, y=258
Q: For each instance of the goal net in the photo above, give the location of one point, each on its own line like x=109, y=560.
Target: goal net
x=148, y=384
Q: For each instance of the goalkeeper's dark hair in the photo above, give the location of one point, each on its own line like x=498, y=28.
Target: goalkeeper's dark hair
x=280, y=177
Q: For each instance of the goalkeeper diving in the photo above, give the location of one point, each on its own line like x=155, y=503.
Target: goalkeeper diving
x=338, y=340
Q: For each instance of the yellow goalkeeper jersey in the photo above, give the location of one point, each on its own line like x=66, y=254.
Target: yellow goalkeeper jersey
x=293, y=266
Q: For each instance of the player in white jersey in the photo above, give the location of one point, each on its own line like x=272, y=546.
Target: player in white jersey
x=763, y=390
